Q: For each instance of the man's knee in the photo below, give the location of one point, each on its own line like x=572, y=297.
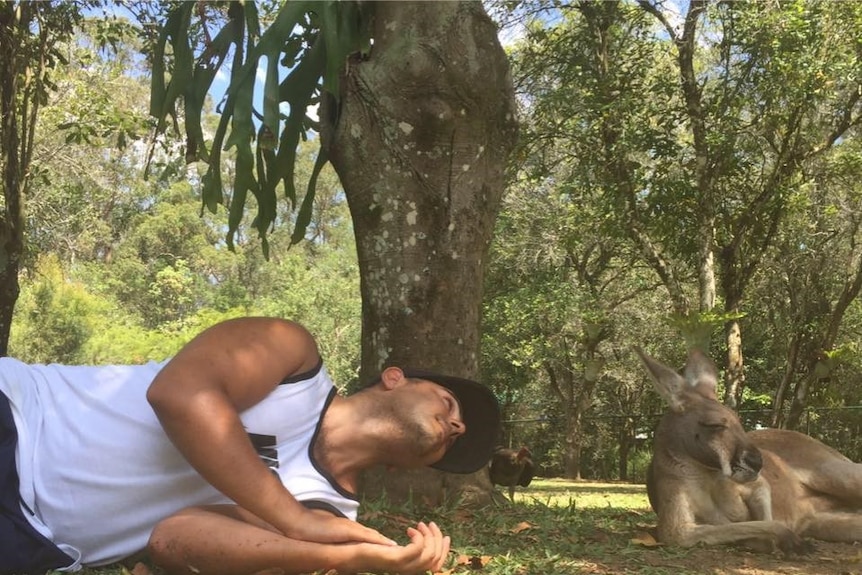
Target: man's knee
x=163, y=545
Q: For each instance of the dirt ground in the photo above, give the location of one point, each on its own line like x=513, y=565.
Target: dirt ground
x=825, y=559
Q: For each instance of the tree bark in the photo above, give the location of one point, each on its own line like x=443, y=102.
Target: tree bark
x=572, y=444
x=576, y=395
x=28, y=33
x=420, y=140
x=786, y=378
x=734, y=379
x=11, y=242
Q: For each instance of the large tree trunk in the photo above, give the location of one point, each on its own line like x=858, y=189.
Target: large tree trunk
x=420, y=141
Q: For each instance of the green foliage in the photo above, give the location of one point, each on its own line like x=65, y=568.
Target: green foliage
x=54, y=317
x=90, y=110
x=733, y=168
x=311, y=40
x=150, y=270
x=83, y=189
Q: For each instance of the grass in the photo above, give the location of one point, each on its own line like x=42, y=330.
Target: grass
x=565, y=493
x=560, y=527
x=553, y=527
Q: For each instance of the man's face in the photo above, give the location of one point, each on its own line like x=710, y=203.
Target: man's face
x=431, y=419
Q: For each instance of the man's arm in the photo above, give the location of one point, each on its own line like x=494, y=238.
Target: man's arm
x=224, y=539
x=198, y=396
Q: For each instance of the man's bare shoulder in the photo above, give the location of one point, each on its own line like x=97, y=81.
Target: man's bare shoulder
x=259, y=340
x=261, y=327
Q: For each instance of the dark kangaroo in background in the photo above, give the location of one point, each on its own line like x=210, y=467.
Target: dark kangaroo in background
x=711, y=482
x=511, y=467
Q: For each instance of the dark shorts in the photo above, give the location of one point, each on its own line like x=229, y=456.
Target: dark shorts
x=22, y=549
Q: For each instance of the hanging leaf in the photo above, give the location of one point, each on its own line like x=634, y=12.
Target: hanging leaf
x=313, y=39
x=303, y=218
x=296, y=90
x=202, y=78
x=183, y=62
x=271, y=112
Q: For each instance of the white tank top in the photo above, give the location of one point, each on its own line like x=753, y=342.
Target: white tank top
x=97, y=471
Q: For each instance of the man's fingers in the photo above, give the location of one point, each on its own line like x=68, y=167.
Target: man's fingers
x=438, y=538
x=441, y=546
x=372, y=536
x=431, y=546
x=441, y=550
x=447, y=545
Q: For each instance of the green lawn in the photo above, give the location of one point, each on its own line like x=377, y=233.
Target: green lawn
x=553, y=527
x=559, y=527
x=565, y=493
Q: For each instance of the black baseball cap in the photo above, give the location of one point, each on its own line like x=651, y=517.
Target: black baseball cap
x=481, y=415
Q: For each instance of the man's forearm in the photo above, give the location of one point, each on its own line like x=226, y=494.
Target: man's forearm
x=217, y=540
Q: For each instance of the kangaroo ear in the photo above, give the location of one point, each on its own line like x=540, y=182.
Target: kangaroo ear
x=669, y=384
x=700, y=373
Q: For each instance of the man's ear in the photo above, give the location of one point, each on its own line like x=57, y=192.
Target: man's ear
x=392, y=377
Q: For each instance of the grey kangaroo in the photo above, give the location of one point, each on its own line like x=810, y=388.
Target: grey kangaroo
x=711, y=482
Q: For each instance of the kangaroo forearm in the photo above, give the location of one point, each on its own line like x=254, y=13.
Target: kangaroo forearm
x=773, y=531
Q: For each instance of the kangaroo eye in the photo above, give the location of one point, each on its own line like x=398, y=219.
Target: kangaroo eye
x=713, y=425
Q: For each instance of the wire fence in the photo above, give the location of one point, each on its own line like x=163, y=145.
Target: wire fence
x=619, y=446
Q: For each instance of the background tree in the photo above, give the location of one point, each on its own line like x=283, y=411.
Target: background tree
x=698, y=142
x=698, y=132
x=151, y=272
x=816, y=267
x=557, y=290
x=29, y=35
x=801, y=95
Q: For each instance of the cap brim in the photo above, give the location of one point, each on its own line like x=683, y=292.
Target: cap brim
x=481, y=415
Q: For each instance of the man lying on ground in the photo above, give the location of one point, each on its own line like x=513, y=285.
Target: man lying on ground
x=235, y=456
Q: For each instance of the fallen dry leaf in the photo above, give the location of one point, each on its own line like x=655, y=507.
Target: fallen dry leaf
x=645, y=539
x=522, y=526
x=473, y=561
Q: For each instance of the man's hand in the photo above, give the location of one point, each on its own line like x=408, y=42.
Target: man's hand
x=427, y=551
x=320, y=526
